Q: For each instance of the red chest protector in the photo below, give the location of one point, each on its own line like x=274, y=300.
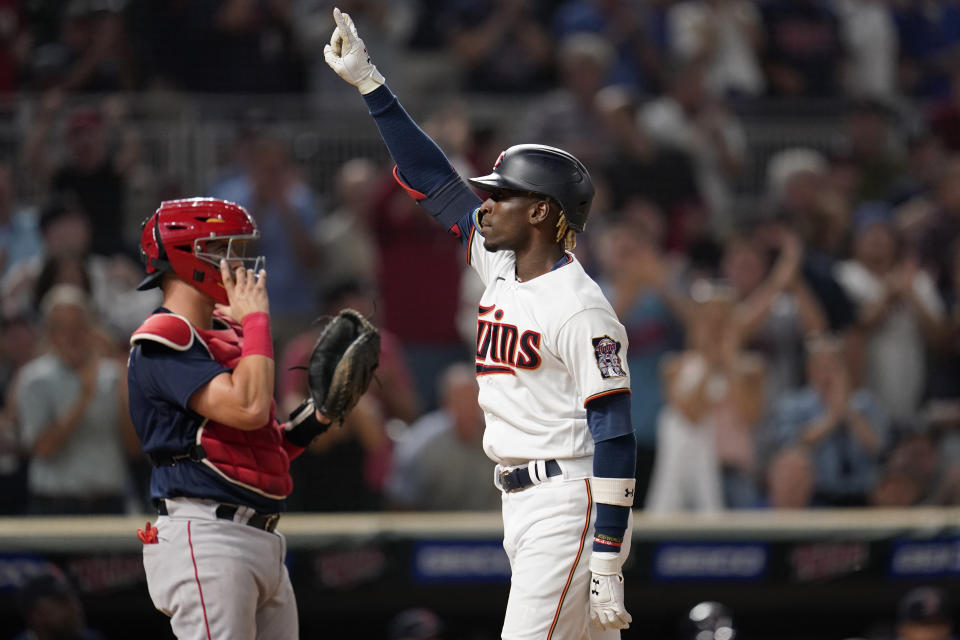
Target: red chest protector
x=257, y=460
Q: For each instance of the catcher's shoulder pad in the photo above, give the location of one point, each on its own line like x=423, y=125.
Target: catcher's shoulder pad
x=167, y=329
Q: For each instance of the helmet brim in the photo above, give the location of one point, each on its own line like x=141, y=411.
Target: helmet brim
x=493, y=182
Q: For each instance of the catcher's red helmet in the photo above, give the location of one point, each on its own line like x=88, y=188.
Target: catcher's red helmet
x=176, y=236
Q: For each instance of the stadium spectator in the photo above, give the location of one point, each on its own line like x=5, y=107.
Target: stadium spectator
x=20, y=237
x=869, y=142
x=870, y=39
x=52, y=610
x=356, y=456
x=942, y=401
x=222, y=47
x=18, y=339
x=933, y=231
x=66, y=258
x=94, y=171
x=502, y=45
x=690, y=118
x=567, y=117
x=912, y=472
x=929, y=36
x=724, y=35
x=394, y=390
x=438, y=462
x=925, y=157
x=343, y=236
x=634, y=276
x=777, y=335
x=275, y=192
x=804, y=55
x=900, y=312
x=80, y=45
x=799, y=196
x=416, y=624
x=637, y=30
x=706, y=454
x=640, y=170
x=842, y=426
x=789, y=479
x=71, y=409
x=925, y=613
x=944, y=115
x=419, y=270
x=13, y=45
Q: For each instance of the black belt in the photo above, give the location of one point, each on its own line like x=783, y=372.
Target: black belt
x=519, y=479
x=262, y=521
x=194, y=452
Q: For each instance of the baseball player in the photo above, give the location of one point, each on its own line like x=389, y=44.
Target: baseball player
x=550, y=360
x=201, y=397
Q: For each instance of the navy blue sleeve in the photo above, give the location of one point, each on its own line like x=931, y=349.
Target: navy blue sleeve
x=614, y=456
x=174, y=376
x=422, y=168
x=608, y=416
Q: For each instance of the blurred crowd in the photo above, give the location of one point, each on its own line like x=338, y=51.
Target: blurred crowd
x=793, y=343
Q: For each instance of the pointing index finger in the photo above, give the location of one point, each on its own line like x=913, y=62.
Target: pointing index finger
x=351, y=28
x=338, y=17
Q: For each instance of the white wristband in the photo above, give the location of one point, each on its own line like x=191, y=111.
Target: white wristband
x=605, y=563
x=615, y=491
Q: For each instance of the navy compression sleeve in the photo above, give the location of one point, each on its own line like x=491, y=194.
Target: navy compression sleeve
x=421, y=165
x=420, y=160
x=614, y=456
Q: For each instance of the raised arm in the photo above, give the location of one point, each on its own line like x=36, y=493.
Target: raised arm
x=422, y=168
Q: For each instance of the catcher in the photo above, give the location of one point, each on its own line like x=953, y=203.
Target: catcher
x=201, y=376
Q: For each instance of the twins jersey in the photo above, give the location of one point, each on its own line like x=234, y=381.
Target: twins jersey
x=545, y=348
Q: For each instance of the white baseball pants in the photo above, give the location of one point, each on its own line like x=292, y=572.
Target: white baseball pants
x=548, y=537
x=218, y=579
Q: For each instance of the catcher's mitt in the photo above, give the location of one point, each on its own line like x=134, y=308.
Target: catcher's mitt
x=342, y=363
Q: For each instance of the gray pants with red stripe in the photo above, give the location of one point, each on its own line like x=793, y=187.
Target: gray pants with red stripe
x=548, y=537
x=217, y=579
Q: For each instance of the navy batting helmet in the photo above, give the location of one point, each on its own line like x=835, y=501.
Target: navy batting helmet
x=545, y=171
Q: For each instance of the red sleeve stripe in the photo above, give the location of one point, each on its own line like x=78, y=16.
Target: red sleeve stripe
x=416, y=195
x=603, y=394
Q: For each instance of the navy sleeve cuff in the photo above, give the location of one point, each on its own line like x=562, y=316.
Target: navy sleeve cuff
x=608, y=416
x=380, y=100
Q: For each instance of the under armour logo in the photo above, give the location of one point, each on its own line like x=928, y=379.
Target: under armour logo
x=595, y=592
x=627, y=493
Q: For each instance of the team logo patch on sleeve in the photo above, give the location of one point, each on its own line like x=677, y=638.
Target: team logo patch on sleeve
x=607, y=351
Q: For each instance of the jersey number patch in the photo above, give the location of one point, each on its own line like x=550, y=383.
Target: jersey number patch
x=607, y=351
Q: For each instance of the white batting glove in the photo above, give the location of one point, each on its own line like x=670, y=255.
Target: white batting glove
x=607, y=610
x=347, y=55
